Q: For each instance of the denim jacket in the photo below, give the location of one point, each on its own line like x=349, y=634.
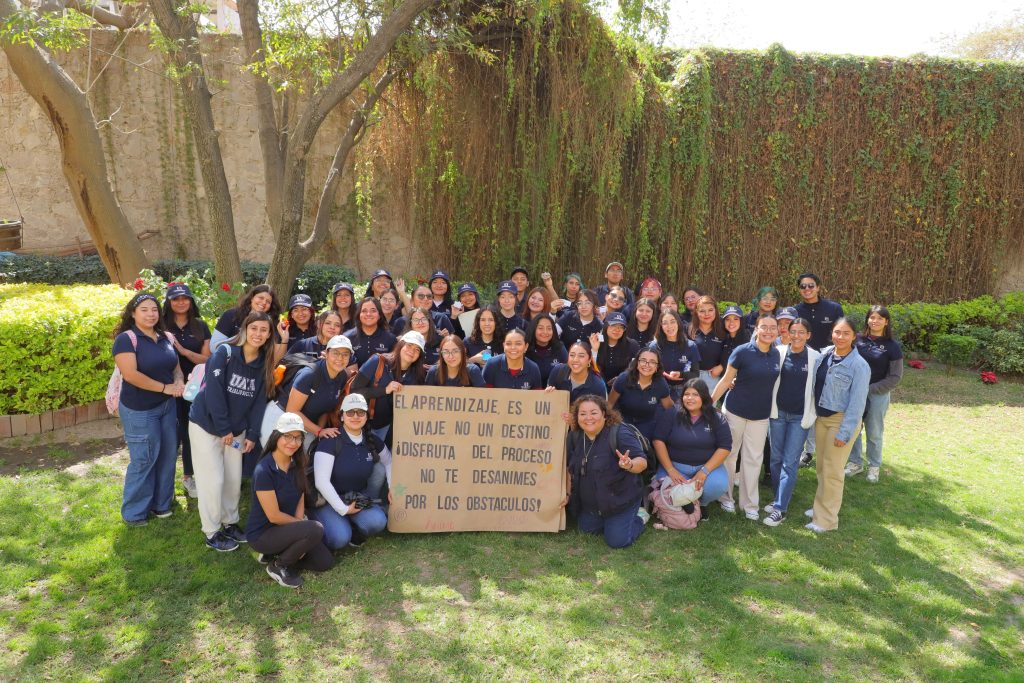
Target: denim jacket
x=846, y=390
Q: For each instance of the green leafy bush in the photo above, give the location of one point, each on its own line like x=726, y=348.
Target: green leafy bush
x=55, y=344
x=1003, y=351
x=955, y=349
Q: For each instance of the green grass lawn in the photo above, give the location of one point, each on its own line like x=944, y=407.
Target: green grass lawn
x=924, y=581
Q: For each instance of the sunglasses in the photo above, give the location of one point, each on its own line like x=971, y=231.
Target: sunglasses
x=355, y=412
x=808, y=285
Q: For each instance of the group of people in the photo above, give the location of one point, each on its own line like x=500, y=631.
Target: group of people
x=645, y=372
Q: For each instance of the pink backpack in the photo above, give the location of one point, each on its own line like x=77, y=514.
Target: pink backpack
x=113, y=396
x=672, y=516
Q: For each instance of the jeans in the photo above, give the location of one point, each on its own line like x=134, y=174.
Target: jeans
x=714, y=485
x=787, y=437
x=152, y=439
x=874, y=427
x=297, y=545
x=712, y=382
x=338, y=528
x=183, y=407
x=620, y=530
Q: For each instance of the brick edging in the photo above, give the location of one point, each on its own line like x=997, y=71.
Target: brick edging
x=27, y=425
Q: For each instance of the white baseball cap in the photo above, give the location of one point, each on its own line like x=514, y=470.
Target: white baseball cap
x=339, y=342
x=354, y=402
x=414, y=337
x=289, y=422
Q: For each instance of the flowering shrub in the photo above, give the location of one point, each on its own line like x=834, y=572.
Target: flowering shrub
x=211, y=297
x=988, y=377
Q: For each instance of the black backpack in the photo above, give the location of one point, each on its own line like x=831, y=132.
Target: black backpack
x=292, y=364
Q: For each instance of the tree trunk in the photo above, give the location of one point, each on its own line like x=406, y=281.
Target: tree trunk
x=180, y=30
x=82, y=158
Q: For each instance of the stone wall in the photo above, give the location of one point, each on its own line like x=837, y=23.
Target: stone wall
x=154, y=172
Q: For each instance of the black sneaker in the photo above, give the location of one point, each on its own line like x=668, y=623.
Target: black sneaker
x=807, y=459
x=283, y=575
x=136, y=522
x=221, y=543
x=233, y=532
x=775, y=517
x=703, y=514
x=162, y=514
x=358, y=539
x=265, y=558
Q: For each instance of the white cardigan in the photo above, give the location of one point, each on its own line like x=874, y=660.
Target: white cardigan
x=813, y=358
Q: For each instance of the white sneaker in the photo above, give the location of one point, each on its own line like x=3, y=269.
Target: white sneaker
x=190, y=487
x=809, y=513
x=752, y=514
x=644, y=515
x=873, y=473
x=728, y=506
x=769, y=507
x=853, y=469
x=815, y=528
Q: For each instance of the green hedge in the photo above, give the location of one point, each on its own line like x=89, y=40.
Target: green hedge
x=55, y=344
x=316, y=279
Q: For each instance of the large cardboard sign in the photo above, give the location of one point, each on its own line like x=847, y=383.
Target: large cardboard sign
x=467, y=459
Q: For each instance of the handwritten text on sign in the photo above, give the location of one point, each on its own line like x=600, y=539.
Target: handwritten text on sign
x=477, y=460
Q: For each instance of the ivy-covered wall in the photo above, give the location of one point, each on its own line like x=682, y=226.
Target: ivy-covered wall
x=896, y=180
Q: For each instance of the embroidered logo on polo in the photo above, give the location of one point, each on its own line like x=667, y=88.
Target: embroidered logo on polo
x=652, y=400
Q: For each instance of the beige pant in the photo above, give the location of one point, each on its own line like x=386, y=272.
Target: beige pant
x=830, y=463
x=748, y=436
x=218, y=476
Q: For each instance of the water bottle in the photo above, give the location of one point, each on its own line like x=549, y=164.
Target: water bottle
x=486, y=354
x=236, y=444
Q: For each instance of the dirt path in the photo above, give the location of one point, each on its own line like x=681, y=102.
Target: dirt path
x=61, y=448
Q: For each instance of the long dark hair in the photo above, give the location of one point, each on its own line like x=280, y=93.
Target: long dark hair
x=193, y=317
x=318, y=323
x=531, y=334
x=128, y=315
x=245, y=305
x=432, y=338
x=441, y=374
x=266, y=351
x=632, y=328
x=659, y=333
x=313, y=318
x=707, y=406
x=300, y=462
x=528, y=315
x=369, y=301
x=634, y=372
x=717, y=326
x=499, y=326
x=351, y=312
x=884, y=312
x=394, y=361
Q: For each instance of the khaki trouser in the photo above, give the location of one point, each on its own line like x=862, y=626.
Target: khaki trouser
x=218, y=471
x=830, y=464
x=748, y=435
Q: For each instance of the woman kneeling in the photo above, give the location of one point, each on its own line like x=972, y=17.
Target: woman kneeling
x=605, y=486
x=276, y=528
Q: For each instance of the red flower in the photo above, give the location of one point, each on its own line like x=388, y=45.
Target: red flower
x=139, y=284
x=916, y=364
x=989, y=377
x=225, y=286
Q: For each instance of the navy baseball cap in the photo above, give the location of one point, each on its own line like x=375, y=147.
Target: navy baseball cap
x=520, y=269
x=380, y=273
x=507, y=286
x=468, y=287
x=179, y=289
x=615, y=318
x=787, y=313
x=440, y=274
x=733, y=310
x=300, y=300
x=340, y=286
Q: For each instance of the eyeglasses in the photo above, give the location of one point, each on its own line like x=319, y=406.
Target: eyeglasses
x=292, y=438
x=769, y=297
x=421, y=295
x=419, y=320
x=644, y=361
x=614, y=297
x=808, y=285
x=355, y=412
x=451, y=353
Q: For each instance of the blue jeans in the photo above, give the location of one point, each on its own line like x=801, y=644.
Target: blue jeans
x=787, y=439
x=338, y=528
x=874, y=426
x=714, y=486
x=619, y=530
x=152, y=439
x=712, y=382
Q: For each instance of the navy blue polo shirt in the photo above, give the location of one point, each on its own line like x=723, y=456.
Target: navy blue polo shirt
x=476, y=377
x=497, y=374
x=602, y=293
x=574, y=329
x=640, y=407
x=190, y=341
x=692, y=443
x=384, y=407
x=711, y=348
x=513, y=323
x=326, y=397
x=559, y=379
x=643, y=338
x=364, y=347
x=154, y=359
x=822, y=316
x=751, y=396
x=353, y=462
x=269, y=477
x=878, y=353
x=296, y=334
x=308, y=345
x=473, y=348
x=793, y=383
x=546, y=357
x=827, y=361
x=681, y=356
x=613, y=360
x=228, y=324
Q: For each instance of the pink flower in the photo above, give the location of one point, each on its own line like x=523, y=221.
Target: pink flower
x=139, y=283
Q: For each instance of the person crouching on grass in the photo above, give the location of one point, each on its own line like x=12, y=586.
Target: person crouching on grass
x=277, y=528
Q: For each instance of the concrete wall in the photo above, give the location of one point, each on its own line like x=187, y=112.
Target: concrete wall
x=154, y=172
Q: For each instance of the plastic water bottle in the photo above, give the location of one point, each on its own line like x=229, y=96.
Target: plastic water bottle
x=486, y=354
